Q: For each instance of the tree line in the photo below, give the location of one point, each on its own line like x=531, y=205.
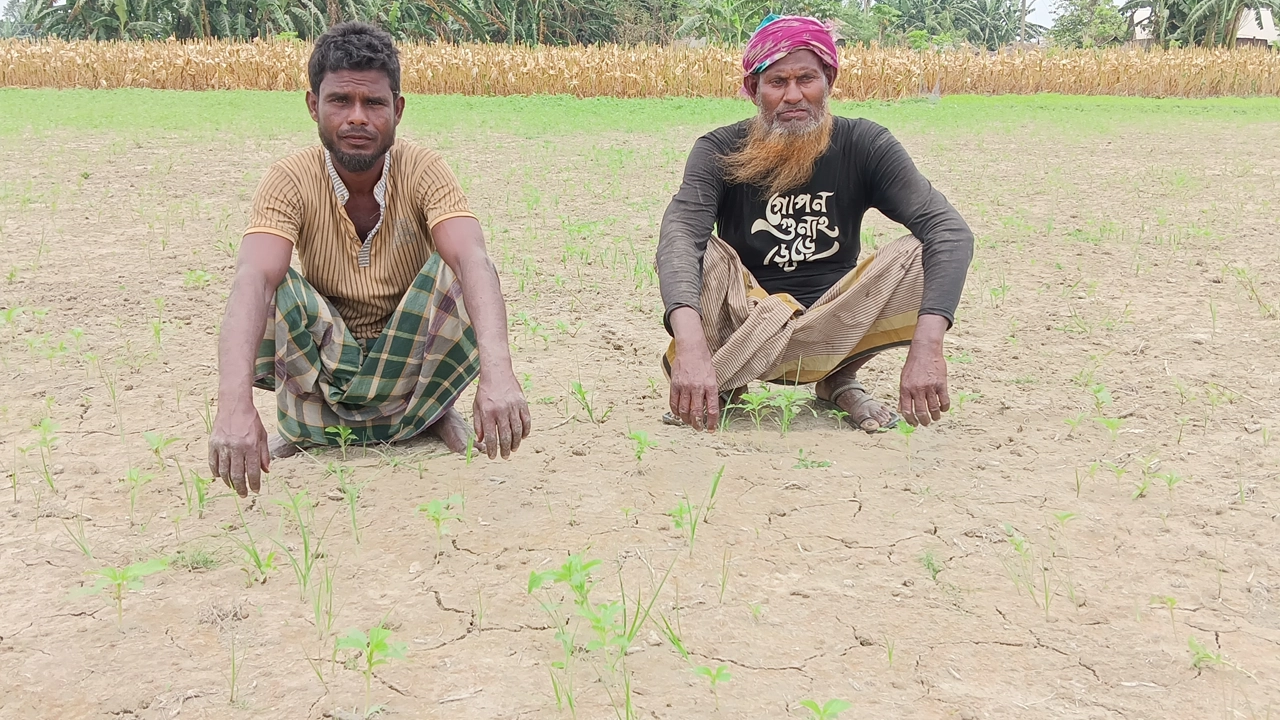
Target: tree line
x=921, y=24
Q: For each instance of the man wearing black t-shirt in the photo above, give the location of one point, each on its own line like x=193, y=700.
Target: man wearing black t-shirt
x=758, y=254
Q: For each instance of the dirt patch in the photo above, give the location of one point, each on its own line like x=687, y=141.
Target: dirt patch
x=1103, y=500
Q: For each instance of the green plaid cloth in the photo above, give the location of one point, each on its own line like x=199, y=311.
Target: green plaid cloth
x=387, y=389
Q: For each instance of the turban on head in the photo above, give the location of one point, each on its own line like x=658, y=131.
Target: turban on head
x=778, y=37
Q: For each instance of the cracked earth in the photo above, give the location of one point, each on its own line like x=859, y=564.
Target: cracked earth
x=1001, y=565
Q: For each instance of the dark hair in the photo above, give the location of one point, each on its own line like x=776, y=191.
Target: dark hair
x=354, y=46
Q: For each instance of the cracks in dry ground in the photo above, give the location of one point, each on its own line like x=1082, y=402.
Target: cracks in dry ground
x=852, y=545
x=762, y=668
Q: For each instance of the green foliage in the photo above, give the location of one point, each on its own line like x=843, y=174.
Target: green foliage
x=642, y=442
x=376, y=648
x=1088, y=23
x=827, y=711
x=117, y=582
x=440, y=513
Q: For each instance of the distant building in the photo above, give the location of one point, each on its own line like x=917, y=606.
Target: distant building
x=1250, y=32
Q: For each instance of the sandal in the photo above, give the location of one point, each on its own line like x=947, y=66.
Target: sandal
x=860, y=414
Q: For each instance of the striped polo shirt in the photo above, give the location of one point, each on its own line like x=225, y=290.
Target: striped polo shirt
x=302, y=199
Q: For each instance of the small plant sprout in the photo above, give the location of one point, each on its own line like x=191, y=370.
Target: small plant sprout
x=808, y=463
x=350, y=493
x=115, y=583
x=1170, y=479
x=585, y=401
x=158, y=442
x=1202, y=657
x=1111, y=425
x=299, y=508
x=958, y=402
x=1140, y=488
x=686, y=517
x=789, y=401
x=194, y=279
x=343, y=435
x=1101, y=396
x=1170, y=603
x=906, y=430
x=233, y=674
x=642, y=443
x=1075, y=421
x=827, y=711
x=441, y=513
x=1064, y=517
x=756, y=404
x=840, y=416
x=47, y=430
x=375, y=649
x=724, y=573
x=889, y=647
x=135, y=479
x=932, y=565
x=257, y=566
x=78, y=537
x=714, y=677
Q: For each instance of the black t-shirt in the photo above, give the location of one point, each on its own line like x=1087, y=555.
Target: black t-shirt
x=803, y=241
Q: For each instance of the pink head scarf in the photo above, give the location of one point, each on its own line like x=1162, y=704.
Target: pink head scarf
x=778, y=37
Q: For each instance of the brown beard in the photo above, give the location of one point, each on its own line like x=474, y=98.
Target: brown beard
x=777, y=160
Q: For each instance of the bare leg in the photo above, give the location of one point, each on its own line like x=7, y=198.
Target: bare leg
x=453, y=430
x=865, y=411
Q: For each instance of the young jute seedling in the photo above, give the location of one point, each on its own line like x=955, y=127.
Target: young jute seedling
x=441, y=513
x=376, y=649
x=343, y=435
x=756, y=404
x=158, y=442
x=642, y=443
x=714, y=677
x=350, y=493
x=828, y=711
x=136, y=480
x=117, y=582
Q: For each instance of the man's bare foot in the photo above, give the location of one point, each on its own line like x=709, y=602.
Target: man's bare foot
x=453, y=430
x=281, y=448
x=865, y=411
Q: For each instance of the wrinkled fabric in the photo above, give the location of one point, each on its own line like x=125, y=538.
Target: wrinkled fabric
x=777, y=37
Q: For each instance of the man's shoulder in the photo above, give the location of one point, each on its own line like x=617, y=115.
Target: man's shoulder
x=854, y=131
x=301, y=164
x=728, y=136
x=412, y=157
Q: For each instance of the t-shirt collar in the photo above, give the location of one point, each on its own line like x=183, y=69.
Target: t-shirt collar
x=379, y=194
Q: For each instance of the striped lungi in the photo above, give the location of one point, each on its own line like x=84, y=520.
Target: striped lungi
x=757, y=336
x=386, y=389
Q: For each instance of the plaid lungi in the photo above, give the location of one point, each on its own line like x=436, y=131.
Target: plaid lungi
x=753, y=335
x=386, y=389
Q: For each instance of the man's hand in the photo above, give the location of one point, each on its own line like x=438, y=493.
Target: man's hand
x=923, y=383
x=695, y=392
x=501, y=415
x=238, y=448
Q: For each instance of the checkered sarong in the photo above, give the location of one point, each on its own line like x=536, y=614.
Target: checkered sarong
x=388, y=390
x=753, y=335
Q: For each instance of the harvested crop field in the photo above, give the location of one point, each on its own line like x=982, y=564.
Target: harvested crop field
x=1094, y=532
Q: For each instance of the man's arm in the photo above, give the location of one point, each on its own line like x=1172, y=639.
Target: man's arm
x=501, y=414
x=898, y=190
x=238, y=445
x=682, y=242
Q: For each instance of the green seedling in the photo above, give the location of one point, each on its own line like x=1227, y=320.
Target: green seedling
x=1140, y=489
x=1074, y=422
x=77, y=536
x=194, y=279
x=1170, y=479
x=906, y=430
x=195, y=488
x=958, y=402
x=642, y=443
x=1202, y=657
x=724, y=574
x=584, y=398
x=1101, y=396
x=157, y=442
x=233, y=676
x=1111, y=425
x=350, y=493
x=440, y=513
x=686, y=517
x=889, y=648
x=299, y=508
x=714, y=677
x=135, y=479
x=376, y=649
x=1170, y=603
x=757, y=405
x=117, y=582
x=1065, y=517
x=932, y=565
x=789, y=401
x=828, y=711
x=343, y=435
x=47, y=430
x=808, y=463
x=206, y=414
x=840, y=416
x=673, y=636
x=258, y=566
x=757, y=611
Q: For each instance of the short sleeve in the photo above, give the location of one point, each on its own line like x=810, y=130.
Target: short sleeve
x=439, y=194
x=277, y=205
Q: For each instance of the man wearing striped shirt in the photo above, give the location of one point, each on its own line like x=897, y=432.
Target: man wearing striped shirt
x=397, y=307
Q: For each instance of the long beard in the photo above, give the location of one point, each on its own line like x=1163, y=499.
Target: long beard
x=776, y=158
x=356, y=162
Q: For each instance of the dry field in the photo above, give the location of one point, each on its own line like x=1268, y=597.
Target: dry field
x=646, y=71
x=1093, y=533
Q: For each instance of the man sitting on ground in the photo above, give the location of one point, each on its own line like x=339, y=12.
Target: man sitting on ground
x=777, y=293
x=373, y=333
